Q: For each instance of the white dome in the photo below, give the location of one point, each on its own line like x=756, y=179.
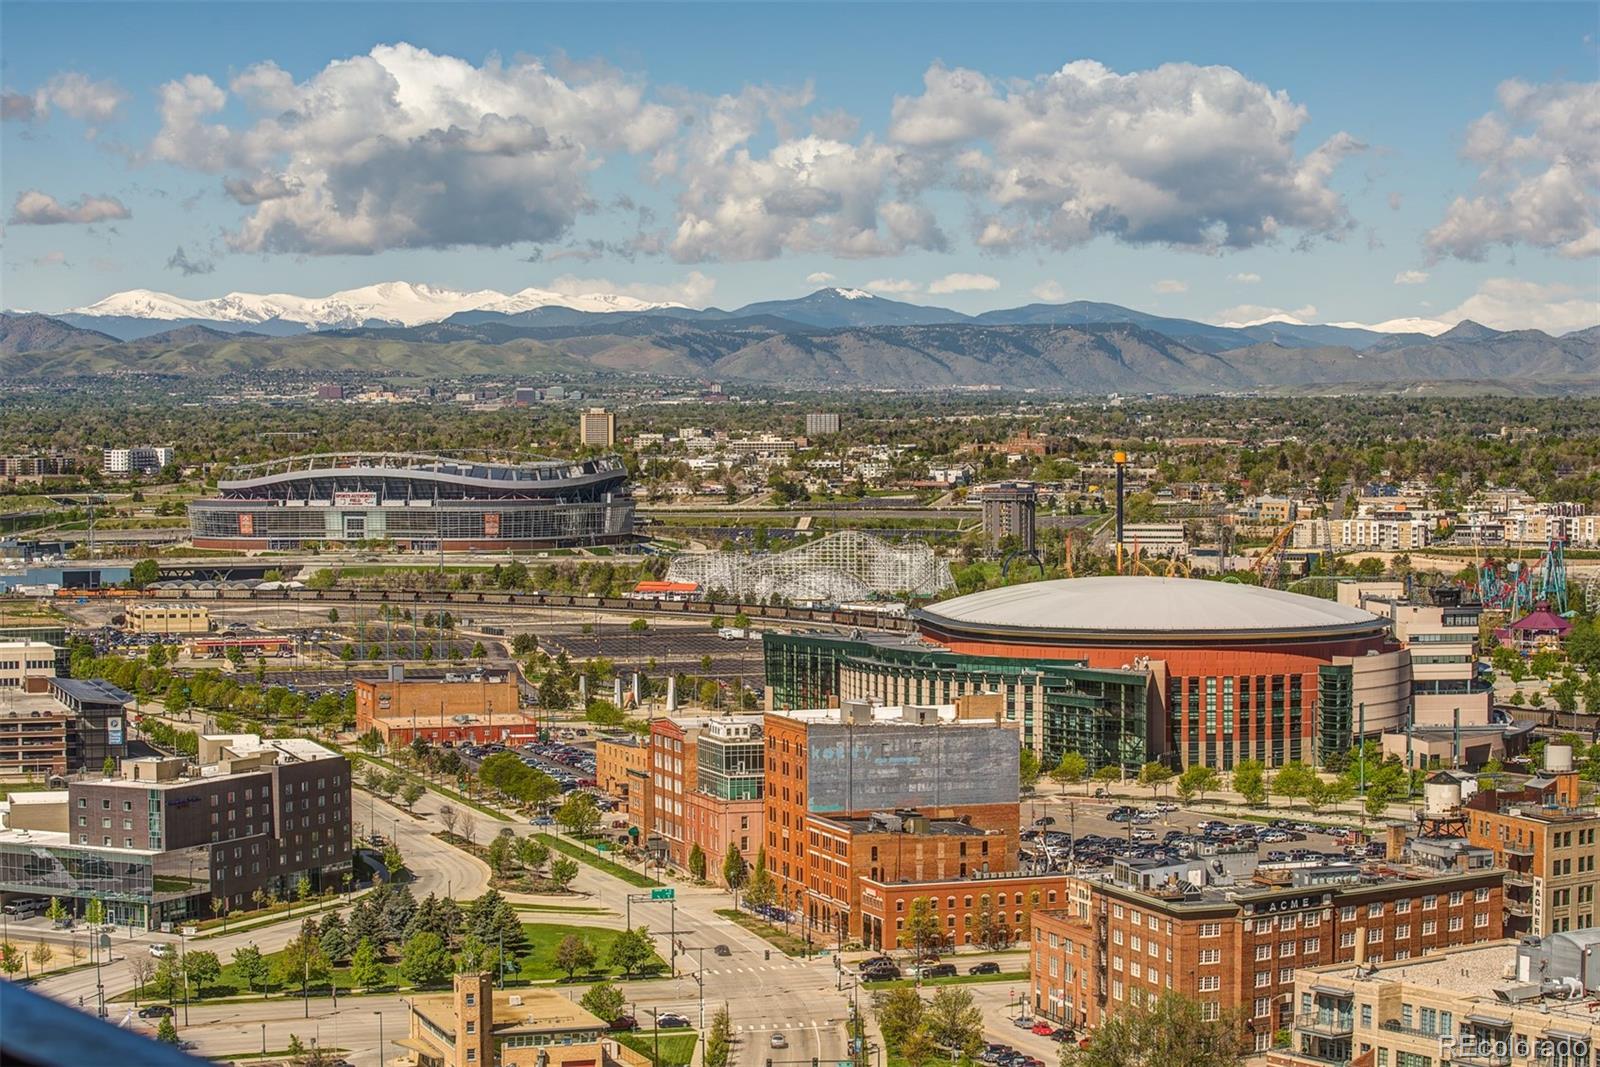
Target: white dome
x=1099, y=608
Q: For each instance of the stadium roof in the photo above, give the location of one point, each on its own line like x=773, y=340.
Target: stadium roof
x=1097, y=608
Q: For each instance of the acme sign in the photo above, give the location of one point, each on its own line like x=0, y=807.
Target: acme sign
x=1295, y=903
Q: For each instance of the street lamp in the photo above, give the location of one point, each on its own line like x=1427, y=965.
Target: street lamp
x=379, y=1014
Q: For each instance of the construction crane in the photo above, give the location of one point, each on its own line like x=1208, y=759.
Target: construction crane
x=1268, y=563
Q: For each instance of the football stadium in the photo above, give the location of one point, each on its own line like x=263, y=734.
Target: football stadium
x=416, y=501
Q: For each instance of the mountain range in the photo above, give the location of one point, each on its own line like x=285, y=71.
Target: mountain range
x=831, y=338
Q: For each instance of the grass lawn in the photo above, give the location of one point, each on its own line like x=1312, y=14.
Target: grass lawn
x=677, y=1046
x=565, y=909
x=788, y=944
x=960, y=979
x=583, y=855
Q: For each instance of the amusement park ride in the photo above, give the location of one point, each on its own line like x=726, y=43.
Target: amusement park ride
x=1516, y=588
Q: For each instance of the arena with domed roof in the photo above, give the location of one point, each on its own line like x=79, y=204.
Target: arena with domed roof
x=1219, y=671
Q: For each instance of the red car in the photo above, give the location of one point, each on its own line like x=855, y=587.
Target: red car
x=1043, y=1029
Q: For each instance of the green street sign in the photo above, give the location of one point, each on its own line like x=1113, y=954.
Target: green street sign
x=661, y=894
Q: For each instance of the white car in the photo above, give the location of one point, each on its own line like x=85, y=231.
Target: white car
x=778, y=1041
x=1144, y=835
x=161, y=950
x=1166, y=805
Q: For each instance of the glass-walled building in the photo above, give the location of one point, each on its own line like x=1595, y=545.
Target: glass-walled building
x=1057, y=705
x=730, y=759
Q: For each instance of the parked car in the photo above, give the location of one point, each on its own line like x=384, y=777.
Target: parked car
x=1023, y=1022
x=671, y=1020
x=624, y=1022
x=989, y=967
x=154, y=1011
x=161, y=950
x=1043, y=1029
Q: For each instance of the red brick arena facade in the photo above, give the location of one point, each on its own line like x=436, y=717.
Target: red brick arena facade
x=1237, y=671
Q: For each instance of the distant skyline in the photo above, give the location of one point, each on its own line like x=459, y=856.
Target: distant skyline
x=1222, y=162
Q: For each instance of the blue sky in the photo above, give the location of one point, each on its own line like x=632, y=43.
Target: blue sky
x=1340, y=162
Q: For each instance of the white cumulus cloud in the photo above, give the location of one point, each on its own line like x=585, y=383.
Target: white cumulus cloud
x=892, y=285
x=1540, y=180
x=1512, y=304
x=1411, y=277
x=1168, y=286
x=1051, y=292
x=35, y=208
x=1245, y=278
x=403, y=148
x=70, y=92
x=964, y=283
x=1195, y=157
x=820, y=277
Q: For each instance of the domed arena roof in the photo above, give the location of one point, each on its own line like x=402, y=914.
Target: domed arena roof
x=1096, y=610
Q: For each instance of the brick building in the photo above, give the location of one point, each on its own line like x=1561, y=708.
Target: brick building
x=1234, y=940
x=475, y=1025
x=871, y=791
x=617, y=763
x=1001, y=904
x=434, y=698
x=1549, y=846
x=701, y=786
x=168, y=618
x=58, y=725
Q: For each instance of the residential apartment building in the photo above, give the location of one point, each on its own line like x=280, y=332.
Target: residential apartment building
x=1231, y=933
x=168, y=618
x=1549, y=845
x=1500, y=1004
x=26, y=665
x=618, y=762
x=1009, y=510
x=829, y=772
x=705, y=783
x=475, y=1025
x=820, y=423
x=169, y=835
x=597, y=428
x=144, y=459
x=36, y=466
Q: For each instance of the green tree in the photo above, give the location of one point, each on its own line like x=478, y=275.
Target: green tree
x=578, y=815
x=954, y=1021
x=109, y=767
x=899, y=1013
x=719, y=1042
x=10, y=958
x=393, y=862
x=604, y=1000
x=1027, y=769
x=1250, y=781
x=631, y=950
x=574, y=954
x=1170, y=1030
x=144, y=573
x=1196, y=781
x=249, y=964
x=1108, y=773
x=562, y=874
x=532, y=853
x=42, y=954
x=366, y=968
x=697, y=862
x=203, y=969
x=335, y=937
x=1293, y=780
x=1154, y=775
x=922, y=930
x=167, y=1030
x=1376, y=802
x=761, y=889
x=411, y=792
x=733, y=867
x=302, y=962
x=1070, y=770
x=94, y=913
x=57, y=911
x=425, y=961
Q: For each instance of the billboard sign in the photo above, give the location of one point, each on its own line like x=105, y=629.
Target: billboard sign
x=883, y=767
x=114, y=730
x=247, y=523
x=491, y=524
x=355, y=500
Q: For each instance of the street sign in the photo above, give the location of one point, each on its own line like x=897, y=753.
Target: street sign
x=662, y=894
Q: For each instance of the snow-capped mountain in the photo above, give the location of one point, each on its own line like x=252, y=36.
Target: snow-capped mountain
x=396, y=303
x=1429, y=327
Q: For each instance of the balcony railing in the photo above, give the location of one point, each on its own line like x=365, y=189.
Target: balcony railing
x=1395, y=1026
x=1325, y=1023
x=1484, y=1058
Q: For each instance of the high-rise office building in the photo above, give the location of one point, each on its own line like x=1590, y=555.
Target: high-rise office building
x=822, y=422
x=1008, y=511
x=597, y=427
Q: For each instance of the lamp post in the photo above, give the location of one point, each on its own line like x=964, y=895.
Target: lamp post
x=379, y=1014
